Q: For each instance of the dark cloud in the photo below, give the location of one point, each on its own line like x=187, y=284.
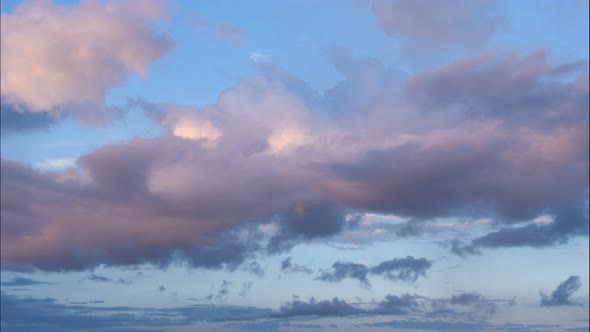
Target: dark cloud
x=289, y=267
x=307, y=220
x=21, y=281
x=343, y=270
x=398, y=305
x=562, y=295
x=407, y=269
x=13, y=121
x=334, y=308
x=99, y=278
x=466, y=298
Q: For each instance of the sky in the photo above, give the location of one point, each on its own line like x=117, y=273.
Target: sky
x=296, y=165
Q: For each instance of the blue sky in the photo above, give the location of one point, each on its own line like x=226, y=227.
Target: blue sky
x=295, y=165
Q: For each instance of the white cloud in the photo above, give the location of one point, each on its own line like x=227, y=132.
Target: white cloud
x=58, y=58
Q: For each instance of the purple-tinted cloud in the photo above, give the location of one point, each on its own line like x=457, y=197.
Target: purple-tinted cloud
x=505, y=141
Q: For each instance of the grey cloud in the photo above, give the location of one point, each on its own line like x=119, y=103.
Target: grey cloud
x=222, y=292
x=466, y=298
x=398, y=305
x=407, y=269
x=288, y=266
x=246, y=287
x=562, y=295
x=307, y=220
x=335, y=307
x=254, y=268
x=98, y=278
x=49, y=315
x=343, y=270
x=33, y=314
x=14, y=121
x=21, y=281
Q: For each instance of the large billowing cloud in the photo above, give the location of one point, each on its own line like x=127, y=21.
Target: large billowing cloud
x=58, y=58
x=505, y=141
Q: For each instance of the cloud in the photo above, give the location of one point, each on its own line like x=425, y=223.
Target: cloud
x=222, y=292
x=413, y=147
x=407, y=269
x=398, y=305
x=343, y=270
x=14, y=120
x=254, y=268
x=289, y=267
x=246, y=288
x=224, y=31
x=562, y=295
x=52, y=69
x=334, y=308
x=21, y=281
x=420, y=25
x=100, y=278
x=48, y=314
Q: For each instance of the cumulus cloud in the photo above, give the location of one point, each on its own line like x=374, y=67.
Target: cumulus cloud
x=50, y=67
x=504, y=142
x=562, y=295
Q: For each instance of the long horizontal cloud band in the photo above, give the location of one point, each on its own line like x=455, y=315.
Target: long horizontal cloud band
x=505, y=138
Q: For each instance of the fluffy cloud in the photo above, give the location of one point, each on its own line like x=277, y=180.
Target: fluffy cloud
x=429, y=150
x=58, y=58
